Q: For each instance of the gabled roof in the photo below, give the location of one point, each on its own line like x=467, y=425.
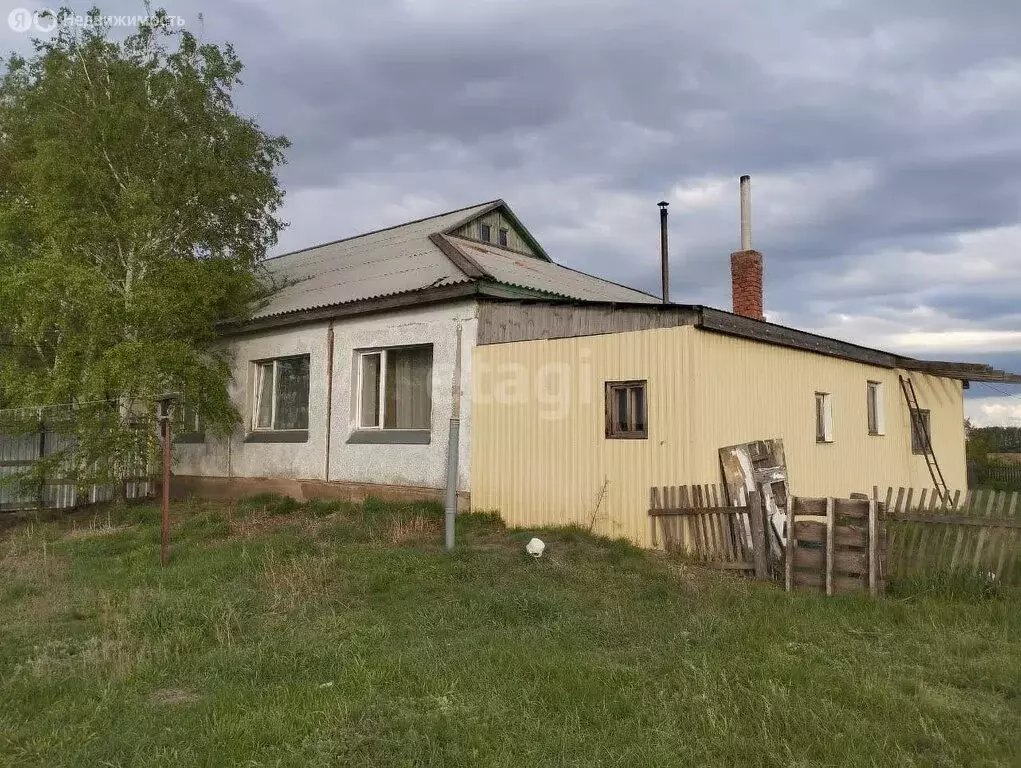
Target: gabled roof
x=423, y=258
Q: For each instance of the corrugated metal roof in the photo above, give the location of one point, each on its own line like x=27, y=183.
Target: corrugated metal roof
x=526, y=272
x=381, y=263
x=403, y=259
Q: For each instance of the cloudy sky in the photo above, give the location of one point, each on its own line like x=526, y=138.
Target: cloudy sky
x=883, y=139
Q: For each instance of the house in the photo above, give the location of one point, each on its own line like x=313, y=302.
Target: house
x=583, y=393
x=345, y=377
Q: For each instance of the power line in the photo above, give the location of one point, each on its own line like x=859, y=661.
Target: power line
x=1000, y=391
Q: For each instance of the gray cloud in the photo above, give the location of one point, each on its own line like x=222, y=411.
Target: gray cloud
x=883, y=138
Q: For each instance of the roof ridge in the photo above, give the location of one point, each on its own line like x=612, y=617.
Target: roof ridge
x=382, y=229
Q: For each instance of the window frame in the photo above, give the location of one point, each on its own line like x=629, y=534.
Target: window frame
x=382, y=353
x=257, y=365
x=611, y=420
x=502, y=236
x=824, y=418
x=185, y=432
x=875, y=408
x=927, y=421
x=485, y=233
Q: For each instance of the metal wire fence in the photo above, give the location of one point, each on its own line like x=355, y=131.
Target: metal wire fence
x=70, y=455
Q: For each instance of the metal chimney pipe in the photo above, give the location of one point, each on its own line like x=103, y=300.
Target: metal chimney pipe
x=746, y=213
x=664, y=250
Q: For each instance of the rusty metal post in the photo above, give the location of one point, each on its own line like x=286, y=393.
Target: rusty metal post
x=165, y=511
x=165, y=413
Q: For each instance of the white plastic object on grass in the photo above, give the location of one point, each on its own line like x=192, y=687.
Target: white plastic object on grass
x=535, y=547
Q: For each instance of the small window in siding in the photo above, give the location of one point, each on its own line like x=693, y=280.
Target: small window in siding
x=626, y=416
x=921, y=434
x=823, y=417
x=502, y=237
x=874, y=406
x=484, y=233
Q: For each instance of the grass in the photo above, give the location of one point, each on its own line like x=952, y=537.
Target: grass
x=332, y=634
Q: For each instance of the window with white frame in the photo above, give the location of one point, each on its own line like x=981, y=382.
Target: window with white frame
x=874, y=404
x=823, y=417
x=281, y=394
x=395, y=388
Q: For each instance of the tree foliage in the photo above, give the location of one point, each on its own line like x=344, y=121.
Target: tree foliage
x=136, y=205
x=985, y=440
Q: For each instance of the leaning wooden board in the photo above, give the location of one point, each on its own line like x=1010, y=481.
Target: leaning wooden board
x=760, y=466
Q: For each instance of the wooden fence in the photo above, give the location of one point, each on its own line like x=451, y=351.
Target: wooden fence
x=835, y=546
x=1001, y=474
x=978, y=532
x=696, y=521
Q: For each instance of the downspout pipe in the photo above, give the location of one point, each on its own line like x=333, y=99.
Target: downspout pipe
x=329, y=398
x=453, y=448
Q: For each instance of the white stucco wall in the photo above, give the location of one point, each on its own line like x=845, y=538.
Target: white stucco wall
x=217, y=458
x=419, y=465
x=405, y=464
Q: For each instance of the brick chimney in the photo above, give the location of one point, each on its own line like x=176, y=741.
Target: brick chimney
x=746, y=264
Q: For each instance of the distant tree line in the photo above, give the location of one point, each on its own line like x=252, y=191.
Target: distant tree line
x=995, y=439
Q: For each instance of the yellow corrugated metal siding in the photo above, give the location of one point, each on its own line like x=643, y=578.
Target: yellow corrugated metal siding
x=540, y=457
x=750, y=391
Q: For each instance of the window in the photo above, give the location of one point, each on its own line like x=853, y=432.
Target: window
x=874, y=405
x=485, y=232
x=281, y=394
x=189, y=426
x=920, y=434
x=395, y=388
x=626, y=416
x=823, y=417
x=502, y=237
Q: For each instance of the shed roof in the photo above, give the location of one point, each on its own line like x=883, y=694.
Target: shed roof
x=421, y=256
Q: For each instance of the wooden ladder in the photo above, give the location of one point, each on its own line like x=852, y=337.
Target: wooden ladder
x=940, y=485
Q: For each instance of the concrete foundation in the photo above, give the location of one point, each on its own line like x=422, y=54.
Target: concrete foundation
x=232, y=488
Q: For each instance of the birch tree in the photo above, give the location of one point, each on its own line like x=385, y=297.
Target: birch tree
x=136, y=205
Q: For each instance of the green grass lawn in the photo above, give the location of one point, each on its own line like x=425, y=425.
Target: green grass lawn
x=338, y=634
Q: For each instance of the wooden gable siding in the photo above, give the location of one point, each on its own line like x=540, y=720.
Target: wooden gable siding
x=496, y=221
x=501, y=322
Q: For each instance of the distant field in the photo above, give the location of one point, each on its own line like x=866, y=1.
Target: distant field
x=343, y=635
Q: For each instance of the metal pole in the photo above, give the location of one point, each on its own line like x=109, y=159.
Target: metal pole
x=453, y=440
x=329, y=398
x=746, y=213
x=664, y=252
x=165, y=512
